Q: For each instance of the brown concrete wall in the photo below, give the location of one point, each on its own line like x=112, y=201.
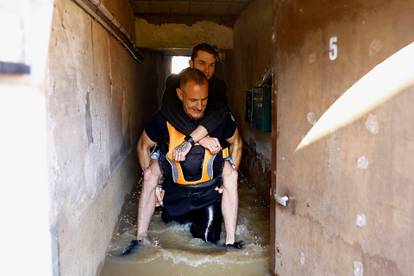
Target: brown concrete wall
x=179, y=36
x=245, y=66
x=352, y=198
x=122, y=12
x=97, y=100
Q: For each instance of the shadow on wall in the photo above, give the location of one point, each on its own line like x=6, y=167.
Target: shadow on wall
x=256, y=169
x=151, y=80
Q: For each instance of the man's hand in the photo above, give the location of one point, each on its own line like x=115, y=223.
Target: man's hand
x=211, y=143
x=181, y=151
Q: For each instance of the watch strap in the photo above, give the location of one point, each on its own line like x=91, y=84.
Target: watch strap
x=189, y=139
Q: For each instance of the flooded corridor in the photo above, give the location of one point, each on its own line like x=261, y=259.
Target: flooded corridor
x=322, y=94
x=172, y=251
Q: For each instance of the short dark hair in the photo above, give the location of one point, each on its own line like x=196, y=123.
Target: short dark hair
x=206, y=48
x=192, y=74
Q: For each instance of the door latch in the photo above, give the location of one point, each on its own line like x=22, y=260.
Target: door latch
x=282, y=200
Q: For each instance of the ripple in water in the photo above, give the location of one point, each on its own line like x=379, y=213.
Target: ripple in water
x=171, y=250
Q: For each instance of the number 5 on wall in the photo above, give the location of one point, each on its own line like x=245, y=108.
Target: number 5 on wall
x=333, y=47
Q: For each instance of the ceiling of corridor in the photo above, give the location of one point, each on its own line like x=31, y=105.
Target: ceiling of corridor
x=188, y=12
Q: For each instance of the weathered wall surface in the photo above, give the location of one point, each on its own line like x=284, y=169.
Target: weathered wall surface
x=152, y=75
x=171, y=35
x=245, y=67
x=122, y=11
x=98, y=98
x=352, y=207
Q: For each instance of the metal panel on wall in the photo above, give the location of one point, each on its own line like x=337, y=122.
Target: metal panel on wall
x=258, y=108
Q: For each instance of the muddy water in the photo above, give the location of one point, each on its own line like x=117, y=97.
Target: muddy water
x=171, y=250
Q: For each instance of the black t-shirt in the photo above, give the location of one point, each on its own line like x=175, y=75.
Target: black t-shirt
x=157, y=129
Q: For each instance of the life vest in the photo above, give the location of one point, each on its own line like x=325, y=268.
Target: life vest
x=207, y=172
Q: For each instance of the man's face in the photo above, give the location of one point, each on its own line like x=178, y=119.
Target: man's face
x=205, y=62
x=194, y=97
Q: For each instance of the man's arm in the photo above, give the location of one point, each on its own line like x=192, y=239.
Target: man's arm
x=212, y=119
x=215, y=113
x=236, y=146
x=143, y=148
x=217, y=108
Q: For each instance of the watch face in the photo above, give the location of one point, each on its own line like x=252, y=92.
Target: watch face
x=189, y=139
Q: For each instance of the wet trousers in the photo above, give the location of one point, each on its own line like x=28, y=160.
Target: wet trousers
x=198, y=205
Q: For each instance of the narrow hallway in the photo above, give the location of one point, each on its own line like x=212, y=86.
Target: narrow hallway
x=321, y=93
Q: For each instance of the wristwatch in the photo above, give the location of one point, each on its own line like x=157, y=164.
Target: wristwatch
x=189, y=139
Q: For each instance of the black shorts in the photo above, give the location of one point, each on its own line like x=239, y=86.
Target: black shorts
x=200, y=206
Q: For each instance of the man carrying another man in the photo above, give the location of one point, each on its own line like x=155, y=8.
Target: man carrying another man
x=204, y=58
x=192, y=185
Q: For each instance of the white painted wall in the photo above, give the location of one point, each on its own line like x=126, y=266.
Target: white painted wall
x=26, y=239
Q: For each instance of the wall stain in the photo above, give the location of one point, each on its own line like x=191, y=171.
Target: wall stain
x=88, y=120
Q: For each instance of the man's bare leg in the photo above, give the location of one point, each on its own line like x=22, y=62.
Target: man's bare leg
x=147, y=200
x=229, y=201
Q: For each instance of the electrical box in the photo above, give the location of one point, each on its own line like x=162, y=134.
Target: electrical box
x=258, y=108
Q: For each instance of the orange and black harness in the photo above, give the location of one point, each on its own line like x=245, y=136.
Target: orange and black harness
x=178, y=177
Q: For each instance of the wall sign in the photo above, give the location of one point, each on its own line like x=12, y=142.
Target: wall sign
x=333, y=48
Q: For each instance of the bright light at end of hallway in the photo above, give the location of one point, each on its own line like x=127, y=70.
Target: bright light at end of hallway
x=383, y=82
x=179, y=63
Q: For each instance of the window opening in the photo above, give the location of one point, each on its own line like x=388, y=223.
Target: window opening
x=179, y=63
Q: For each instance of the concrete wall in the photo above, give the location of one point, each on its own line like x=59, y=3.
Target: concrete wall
x=352, y=198
x=97, y=99
x=171, y=35
x=246, y=65
x=122, y=11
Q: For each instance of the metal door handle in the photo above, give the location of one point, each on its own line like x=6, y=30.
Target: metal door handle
x=282, y=200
